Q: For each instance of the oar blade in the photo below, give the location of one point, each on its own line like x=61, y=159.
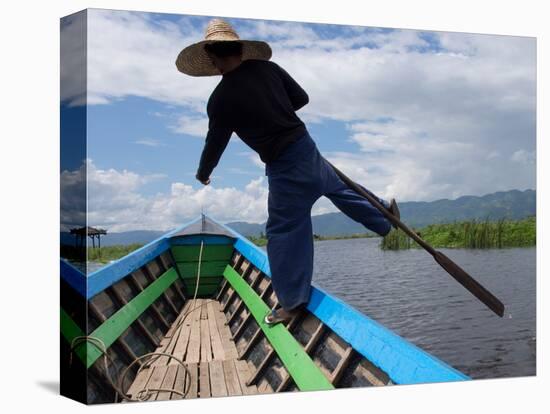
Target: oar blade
x=470, y=283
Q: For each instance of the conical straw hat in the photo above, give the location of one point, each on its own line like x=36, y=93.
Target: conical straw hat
x=194, y=61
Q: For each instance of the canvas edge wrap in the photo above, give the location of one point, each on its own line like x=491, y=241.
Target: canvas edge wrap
x=73, y=153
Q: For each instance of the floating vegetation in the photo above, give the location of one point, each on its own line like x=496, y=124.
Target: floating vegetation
x=258, y=241
x=473, y=234
x=108, y=253
x=262, y=239
x=396, y=240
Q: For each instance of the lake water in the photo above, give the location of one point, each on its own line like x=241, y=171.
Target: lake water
x=408, y=292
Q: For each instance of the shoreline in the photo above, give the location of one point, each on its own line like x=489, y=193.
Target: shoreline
x=471, y=235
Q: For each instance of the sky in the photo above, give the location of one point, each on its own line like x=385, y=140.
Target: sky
x=415, y=115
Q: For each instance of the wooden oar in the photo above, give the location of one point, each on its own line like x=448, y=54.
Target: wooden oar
x=451, y=267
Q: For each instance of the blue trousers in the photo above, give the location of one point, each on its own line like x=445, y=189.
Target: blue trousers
x=297, y=178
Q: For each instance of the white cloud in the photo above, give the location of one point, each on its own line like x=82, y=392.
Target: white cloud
x=253, y=158
x=323, y=206
x=196, y=126
x=452, y=111
x=131, y=54
x=149, y=142
x=345, y=81
x=116, y=202
x=523, y=157
x=73, y=198
x=256, y=160
x=111, y=189
x=73, y=59
x=242, y=171
x=192, y=125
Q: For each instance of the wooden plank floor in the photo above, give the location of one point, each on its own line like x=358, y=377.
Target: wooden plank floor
x=200, y=338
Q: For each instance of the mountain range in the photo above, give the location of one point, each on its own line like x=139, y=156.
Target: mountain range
x=514, y=204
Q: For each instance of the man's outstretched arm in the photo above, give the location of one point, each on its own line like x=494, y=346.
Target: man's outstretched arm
x=214, y=146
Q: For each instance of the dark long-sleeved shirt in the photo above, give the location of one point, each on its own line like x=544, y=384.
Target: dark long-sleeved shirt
x=257, y=100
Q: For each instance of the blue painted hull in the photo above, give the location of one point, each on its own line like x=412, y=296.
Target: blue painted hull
x=403, y=362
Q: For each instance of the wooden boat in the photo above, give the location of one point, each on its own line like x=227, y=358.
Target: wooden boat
x=209, y=337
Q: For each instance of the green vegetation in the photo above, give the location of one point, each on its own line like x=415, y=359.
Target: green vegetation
x=396, y=240
x=258, y=241
x=349, y=236
x=469, y=234
x=262, y=240
x=108, y=253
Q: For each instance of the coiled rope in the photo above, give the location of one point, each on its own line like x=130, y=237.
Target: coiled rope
x=145, y=393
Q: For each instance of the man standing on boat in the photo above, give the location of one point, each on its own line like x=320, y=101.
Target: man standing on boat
x=258, y=100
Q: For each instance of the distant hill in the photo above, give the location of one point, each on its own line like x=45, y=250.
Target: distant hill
x=512, y=204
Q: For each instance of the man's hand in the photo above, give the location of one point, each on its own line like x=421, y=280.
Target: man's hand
x=205, y=182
